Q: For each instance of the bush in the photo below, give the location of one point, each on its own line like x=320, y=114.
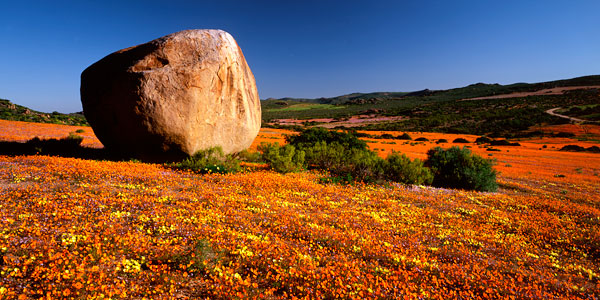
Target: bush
x=323, y=156
x=576, y=148
x=248, y=156
x=345, y=158
x=421, y=139
x=441, y=141
x=593, y=149
x=311, y=136
x=404, y=136
x=346, y=165
x=361, y=165
x=503, y=143
x=211, y=160
x=564, y=134
x=75, y=138
x=363, y=135
x=483, y=140
x=459, y=168
x=282, y=159
x=398, y=167
x=460, y=140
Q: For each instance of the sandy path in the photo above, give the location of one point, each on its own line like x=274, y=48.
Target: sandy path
x=552, y=112
x=552, y=91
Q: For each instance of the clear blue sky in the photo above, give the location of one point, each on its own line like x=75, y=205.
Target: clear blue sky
x=307, y=48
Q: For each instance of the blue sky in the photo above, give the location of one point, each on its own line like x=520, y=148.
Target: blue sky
x=307, y=48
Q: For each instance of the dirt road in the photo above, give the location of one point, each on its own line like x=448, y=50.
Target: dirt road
x=552, y=91
x=552, y=112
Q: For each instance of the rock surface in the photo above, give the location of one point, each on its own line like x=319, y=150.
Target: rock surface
x=173, y=96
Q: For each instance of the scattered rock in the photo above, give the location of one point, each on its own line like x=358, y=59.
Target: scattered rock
x=173, y=96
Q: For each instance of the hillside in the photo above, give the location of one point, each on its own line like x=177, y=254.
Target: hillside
x=447, y=110
x=493, y=109
x=14, y=112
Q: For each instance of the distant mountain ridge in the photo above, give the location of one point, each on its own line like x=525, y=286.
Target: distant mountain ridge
x=426, y=107
x=479, y=89
x=493, y=109
x=15, y=112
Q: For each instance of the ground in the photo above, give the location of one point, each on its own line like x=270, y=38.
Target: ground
x=87, y=229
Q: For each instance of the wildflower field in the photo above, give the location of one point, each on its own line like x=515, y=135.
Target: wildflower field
x=87, y=229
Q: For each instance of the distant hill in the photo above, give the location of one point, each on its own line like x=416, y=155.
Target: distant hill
x=424, y=110
x=470, y=91
x=448, y=110
x=15, y=112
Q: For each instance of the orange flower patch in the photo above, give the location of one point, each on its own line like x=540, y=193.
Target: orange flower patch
x=579, y=130
x=73, y=228
x=17, y=131
x=270, y=135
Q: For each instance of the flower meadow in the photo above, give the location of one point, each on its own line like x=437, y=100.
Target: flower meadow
x=86, y=229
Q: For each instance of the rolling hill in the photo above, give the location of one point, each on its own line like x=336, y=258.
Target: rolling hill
x=493, y=109
x=520, y=106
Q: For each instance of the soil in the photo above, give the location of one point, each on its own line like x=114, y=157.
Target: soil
x=552, y=91
x=552, y=112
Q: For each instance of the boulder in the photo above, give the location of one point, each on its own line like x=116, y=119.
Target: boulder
x=173, y=96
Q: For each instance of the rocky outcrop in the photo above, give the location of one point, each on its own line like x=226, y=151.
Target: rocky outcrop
x=173, y=96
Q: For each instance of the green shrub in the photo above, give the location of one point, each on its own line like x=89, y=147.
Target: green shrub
x=249, y=156
x=211, y=160
x=483, y=140
x=323, y=156
x=75, y=138
x=503, y=143
x=364, y=135
x=460, y=140
x=441, y=141
x=398, y=167
x=404, y=136
x=311, y=136
x=282, y=159
x=459, y=168
x=346, y=179
x=344, y=157
x=340, y=161
x=363, y=165
x=346, y=165
x=79, y=131
x=421, y=139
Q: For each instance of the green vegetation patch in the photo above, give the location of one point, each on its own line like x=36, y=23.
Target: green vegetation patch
x=211, y=160
x=306, y=106
x=448, y=111
x=346, y=159
x=13, y=112
x=589, y=112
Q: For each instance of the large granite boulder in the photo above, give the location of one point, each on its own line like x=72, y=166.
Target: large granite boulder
x=173, y=96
